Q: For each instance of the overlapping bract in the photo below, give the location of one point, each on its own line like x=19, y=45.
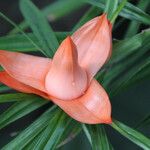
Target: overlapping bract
x=67, y=79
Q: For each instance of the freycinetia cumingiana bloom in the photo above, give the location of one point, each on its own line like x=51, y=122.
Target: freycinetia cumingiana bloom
x=68, y=78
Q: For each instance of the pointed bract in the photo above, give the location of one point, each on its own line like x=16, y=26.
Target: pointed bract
x=92, y=108
x=30, y=70
x=66, y=79
x=6, y=79
x=93, y=41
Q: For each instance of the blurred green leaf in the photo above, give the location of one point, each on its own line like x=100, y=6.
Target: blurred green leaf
x=20, y=109
x=69, y=132
x=32, y=131
x=129, y=11
x=4, y=88
x=134, y=25
x=144, y=122
x=124, y=48
x=13, y=97
x=97, y=137
x=40, y=26
x=1, y=68
x=54, y=11
x=119, y=76
x=129, y=49
x=110, y=7
x=53, y=132
x=61, y=8
x=19, y=29
x=142, y=74
x=117, y=11
x=20, y=43
x=122, y=83
x=73, y=129
x=33, y=141
x=132, y=134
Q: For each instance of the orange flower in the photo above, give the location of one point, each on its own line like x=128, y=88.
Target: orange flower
x=67, y=79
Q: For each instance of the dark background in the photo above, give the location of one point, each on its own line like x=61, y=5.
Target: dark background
x=129, y=107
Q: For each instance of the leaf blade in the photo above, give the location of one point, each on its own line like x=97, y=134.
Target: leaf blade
x=97, y=137
x=131, y=134
x=41, y=29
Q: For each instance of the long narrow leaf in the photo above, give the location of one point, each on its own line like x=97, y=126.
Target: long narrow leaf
x=132, y=134
x=97, y=137
x=111, y=7
x=32, y=131
x=129, y=11
x=124, y=48
x=40, y=27
x=19, y=29
x=20, y=109
x=53, y=132
x=118, y=64
x=54, y=11
x=20, y=43
x=4, y=89
x=67, y=135
x=134, y=25
x=15, y=97
x=144, y=122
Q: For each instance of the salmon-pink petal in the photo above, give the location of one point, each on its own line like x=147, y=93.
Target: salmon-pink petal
x=66, y=79
x=6, y=79
x=30, y=70
x=92, y=108
x=93, y=41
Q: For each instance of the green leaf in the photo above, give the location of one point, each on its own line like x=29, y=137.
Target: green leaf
x=111, y=7
x=32, y=131
x=40, y=27
x=54, y=11
x=134, y=25
x=118, y=10
x=127, y=49
x=144, y=122
x=70, y=131
x=1, y=68
x=142, y=74
x=61, y=8
x=34, y=141
x=97, y=137
x=129, y=77
x=20, y=30
x=15, y=97
x=135, y=13
x=4, y=88
x=20, y=109
x=124, y=48
x=132, y=134
x=123, y=79
x=20, y=43
x=129, y=11
x=53, y=132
